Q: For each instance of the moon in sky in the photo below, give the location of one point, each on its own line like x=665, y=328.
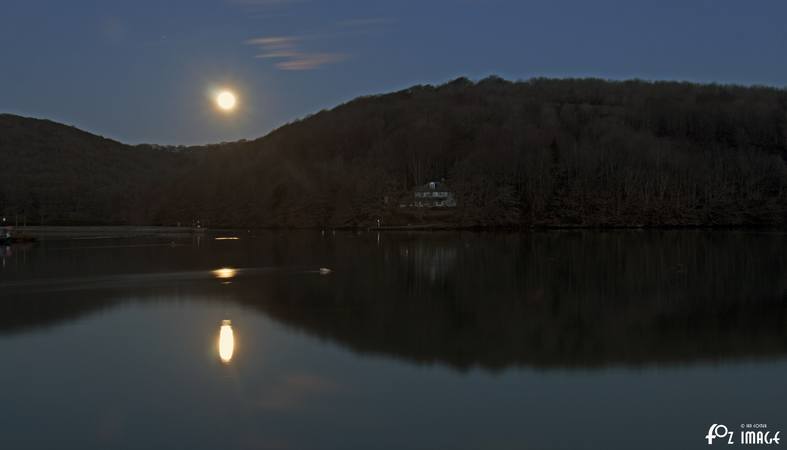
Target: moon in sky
x=226, y=100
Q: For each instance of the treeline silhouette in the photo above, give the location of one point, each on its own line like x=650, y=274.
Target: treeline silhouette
x=56, y=174
x=542, y=152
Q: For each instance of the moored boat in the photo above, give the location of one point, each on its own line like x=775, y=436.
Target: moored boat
x=8, y=237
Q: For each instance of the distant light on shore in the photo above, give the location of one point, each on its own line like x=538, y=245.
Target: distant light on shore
x=225, y=273
x=226, y=342
x=227, y=238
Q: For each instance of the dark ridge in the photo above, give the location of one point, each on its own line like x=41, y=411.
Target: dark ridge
x=542, y=152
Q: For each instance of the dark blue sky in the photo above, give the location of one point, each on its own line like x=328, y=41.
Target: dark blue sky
x=142, y=71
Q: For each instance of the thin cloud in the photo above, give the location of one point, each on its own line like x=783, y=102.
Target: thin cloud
x=294, y=52
x=310, y=61
x=275, y=42
x=277, y=54
x=289, y=55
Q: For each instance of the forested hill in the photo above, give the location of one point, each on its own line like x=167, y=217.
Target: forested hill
x=575, y=152
x=56, y=174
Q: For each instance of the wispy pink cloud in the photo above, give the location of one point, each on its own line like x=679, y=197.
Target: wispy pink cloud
x=277, y=54
x=286, y=49
x=310, y=61
x=275, y=42
x=293, y=52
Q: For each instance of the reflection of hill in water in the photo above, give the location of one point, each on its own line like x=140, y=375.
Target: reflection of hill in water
x=554, y=299
x=538, y=299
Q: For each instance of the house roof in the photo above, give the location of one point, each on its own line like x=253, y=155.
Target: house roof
x=438, y=186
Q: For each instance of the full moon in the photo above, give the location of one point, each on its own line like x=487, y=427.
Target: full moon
x=226, y=100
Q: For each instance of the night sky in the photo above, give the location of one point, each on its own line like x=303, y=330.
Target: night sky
x=143, y=71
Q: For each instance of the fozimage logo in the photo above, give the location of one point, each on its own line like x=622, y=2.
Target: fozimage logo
x=749, y=434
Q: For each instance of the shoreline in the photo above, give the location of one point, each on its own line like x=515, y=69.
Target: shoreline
x=131, y=231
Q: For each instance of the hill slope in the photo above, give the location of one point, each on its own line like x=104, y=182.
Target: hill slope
x=540, y=152
x=52, y=173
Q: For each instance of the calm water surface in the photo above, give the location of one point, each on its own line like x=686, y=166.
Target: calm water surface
x=613, y=340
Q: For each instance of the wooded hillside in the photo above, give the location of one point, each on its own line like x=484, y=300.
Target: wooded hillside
x=540, y=152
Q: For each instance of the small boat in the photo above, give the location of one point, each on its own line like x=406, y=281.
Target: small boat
x=5, y=236
x=8, y=238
